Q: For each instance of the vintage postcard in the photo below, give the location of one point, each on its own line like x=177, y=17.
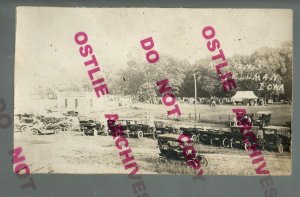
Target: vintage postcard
x=154, y=91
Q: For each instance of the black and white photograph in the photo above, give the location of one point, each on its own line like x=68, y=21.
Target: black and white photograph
x=159, y=75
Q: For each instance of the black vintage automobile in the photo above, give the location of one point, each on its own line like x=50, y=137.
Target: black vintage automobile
x=193, y=133
x=170, y=149
x=162, y=128
x=213, y=136
x=90, y=127
x=139, y=128
x=235, y=140
x=72, y=113
x=135, y=128
x=204, y=135
x=277, y=137
x=65, y=123
x=218, y=136
x=262, y=118
x=112, y=126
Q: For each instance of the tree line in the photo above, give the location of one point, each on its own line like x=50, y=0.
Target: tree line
x=256, y=72
x=261, y=69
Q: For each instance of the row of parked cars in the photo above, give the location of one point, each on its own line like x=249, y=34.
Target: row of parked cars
x=269, y=137
x=43, y=124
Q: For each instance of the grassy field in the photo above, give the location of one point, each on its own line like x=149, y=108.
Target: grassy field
x=221, y=114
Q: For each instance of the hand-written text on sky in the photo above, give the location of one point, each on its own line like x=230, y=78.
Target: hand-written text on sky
x=270, y=81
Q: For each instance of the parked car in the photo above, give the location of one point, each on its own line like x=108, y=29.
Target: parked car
x=49, y=119
x=90, y=127
x=111, y=125
x=24, y=121
x=219, y=135
x=72, y=113
x=205, y=135
x=263, y=118
x=277, y=137
x=162, y=128
x=139, y=128
x=66, y=124
x=170, y=150
x=235, y=139
x=191, y=132
x=40, y=127
x=214, y=136
x=287, y=124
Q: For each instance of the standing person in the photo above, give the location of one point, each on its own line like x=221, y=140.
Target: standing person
x=234, y=121
x=214, y=103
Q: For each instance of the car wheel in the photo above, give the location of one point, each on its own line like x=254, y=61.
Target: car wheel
x=231, y=143
x=140, y=134
x=280, y=148
x=211, y=141
x=23, y=128
x=95, y=132
x=194, y=138
x=237, y=145
x=161, y=160
x=203, y=138
x=203, y=162
x=246, y=146
x=57, y=130
x=34, y=131
x=226, y=142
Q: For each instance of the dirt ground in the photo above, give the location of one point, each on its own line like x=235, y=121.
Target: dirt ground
x=71, y=152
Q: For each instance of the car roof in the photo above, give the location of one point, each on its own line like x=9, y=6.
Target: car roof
x=131, y=120
x=224, y=129
x=263, y=112
x=277, y=127
x=171, y=137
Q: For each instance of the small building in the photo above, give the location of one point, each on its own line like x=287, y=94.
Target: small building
x=244, y=97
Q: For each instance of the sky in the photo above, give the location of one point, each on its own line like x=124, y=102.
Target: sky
x=46, y=50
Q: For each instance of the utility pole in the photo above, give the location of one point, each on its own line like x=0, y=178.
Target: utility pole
x=195, y=95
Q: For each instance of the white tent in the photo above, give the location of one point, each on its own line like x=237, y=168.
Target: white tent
x=242, y=95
